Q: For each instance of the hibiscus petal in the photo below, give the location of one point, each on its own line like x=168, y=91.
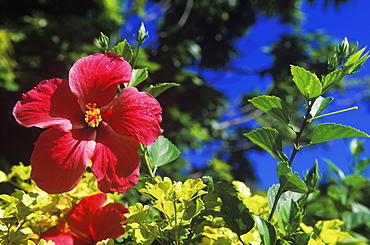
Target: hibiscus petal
x=93, y=79
x=58, y=236
x=81, y=215
x=107, y=222
x=116, y=161
x=50, y=103
x=135, y=112
x=59, y=159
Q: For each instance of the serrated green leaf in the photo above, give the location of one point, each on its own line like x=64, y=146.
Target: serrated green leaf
x=123, y=48
x=331, y=79
x=320, y=104
x=331, y=131
x=307, y=83
x=290, y=181
x=266, y=230
x=138, y=76
x=159, y=88
x=269, y=140
x=273, y=106
x=162, y=152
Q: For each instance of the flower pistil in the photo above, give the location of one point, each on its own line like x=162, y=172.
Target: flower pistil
x=92, y=115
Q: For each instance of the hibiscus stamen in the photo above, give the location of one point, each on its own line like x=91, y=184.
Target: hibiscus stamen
x=92, y=115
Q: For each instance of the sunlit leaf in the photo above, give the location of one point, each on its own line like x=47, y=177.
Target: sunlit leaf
x=138, y=76
x=332, y=131
x=269, y=140
x=3, y=177
x=273, y=106
x=159, y=88
x=108, y=241
x=331, y=79
x=138, y=213
x=307, y=83
x=162, y=151
x=320, y=104
x=355, y=61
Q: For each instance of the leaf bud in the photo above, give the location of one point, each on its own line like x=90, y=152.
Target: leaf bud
x=142, y=34
x=313, y=177
x=343, y=48
x=103, y=41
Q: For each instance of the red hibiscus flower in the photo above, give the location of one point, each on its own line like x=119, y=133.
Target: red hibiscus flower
x=89, y=222
x=86, y=122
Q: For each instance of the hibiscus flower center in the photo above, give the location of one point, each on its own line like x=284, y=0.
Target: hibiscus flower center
x=92, y=115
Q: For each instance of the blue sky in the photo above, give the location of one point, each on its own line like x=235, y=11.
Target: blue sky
x=351, y=20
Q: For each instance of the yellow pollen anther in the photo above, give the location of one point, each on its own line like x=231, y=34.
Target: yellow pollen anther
x=92, y=115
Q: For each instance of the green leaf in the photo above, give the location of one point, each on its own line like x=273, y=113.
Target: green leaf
x=301, y=238
x=193, y=209
x=339, y=172
x=273, y=106
x=269, y=140
x=331, y=79
x=3, y=177
x=287, y=195
x=362, y=165
x=308, y=83
x=266, y=230
x=124, y=49
x=290, y=217
x=235, y=214
x=162, y=151
x=319, y=105
x=355, y=181
x=138, y=75
x=332, y=131
x=108, y=241
x=355, y=61
x=357, y=147
x=290, y=181
x=159, y=88
x=138, y=213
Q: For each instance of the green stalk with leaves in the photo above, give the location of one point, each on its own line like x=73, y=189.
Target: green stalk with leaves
x=344, y=61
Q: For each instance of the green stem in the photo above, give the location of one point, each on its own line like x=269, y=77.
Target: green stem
x=136, y=55
x=300, y=132
x=294, y=153
x=332, y=113
x=274, y=206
